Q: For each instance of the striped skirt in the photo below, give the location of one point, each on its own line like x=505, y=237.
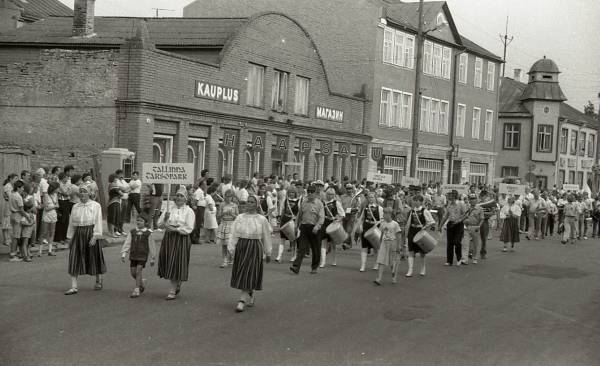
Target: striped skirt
x=510, y=230
x=83, y=258
x=174, y=256
x=247, y=270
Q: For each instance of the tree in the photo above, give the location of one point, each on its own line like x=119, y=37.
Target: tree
x=590, y=110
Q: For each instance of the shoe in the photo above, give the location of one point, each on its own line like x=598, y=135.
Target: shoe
x=504, y=249
x=278, y=260
x=171, y=296
x=334, y=264
x=143, y=288
x=240, y=306
x=251, y=301
x=178, y=289
x=585, y=237
x=223, y=265
x=15, y=259
x=322, y=265
x=361, y=270
x=71, y=291
x=447, y=264
x=296, y=271
x=39, y=254
x=394, y=279
x=292, y=259
x=117, y=234
x=51, y=254
x=564, y=242
x=45, y=242
x=98, y=285
x=409, y=274
x=474, y=261
x=27, y=259
x=377, y=283
x=135, y=293
x=314, y=271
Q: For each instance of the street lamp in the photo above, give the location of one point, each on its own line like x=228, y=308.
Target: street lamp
x=417, y=102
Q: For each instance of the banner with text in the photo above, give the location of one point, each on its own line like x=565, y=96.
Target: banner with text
x=408, y=181
x=379, y=178
x=460, y=188
x=512, y=189
x=168, y=173
x=571, y=187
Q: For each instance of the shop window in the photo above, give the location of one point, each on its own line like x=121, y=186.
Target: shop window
x=256, y=75
x=394, y=166
x=509, y=171
x=580, y=179
x=541, y=182
x=196, y=155
x=561, y=178
x=429, y=170
x=302, y=93
x=225, y=163
x=319, y=166
x=478, y=173
x=162, y=148
x=279, y=91
x=339, y=166
x=512, y=136
x=572, y=177
x=544, y=138
x=564, y=140
x=355, y=168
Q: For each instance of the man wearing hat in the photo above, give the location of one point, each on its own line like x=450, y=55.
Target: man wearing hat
x=310, y=218
x=474, y=219
x=453, y=217
x=351, y=206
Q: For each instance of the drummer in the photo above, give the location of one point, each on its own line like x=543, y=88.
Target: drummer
x=371, y=214
x=472, y=224
x=351, y=205
x=288, y=208
x=333, y=212
x=419, y=218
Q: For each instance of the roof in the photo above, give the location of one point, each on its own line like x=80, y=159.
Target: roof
x=40, y=9
x=474, y=47
x=543, y=90
x=510, y=97
x=573, y=115
x=544, y=65
x=114, y=31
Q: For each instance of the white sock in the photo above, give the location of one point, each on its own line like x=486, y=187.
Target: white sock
x=363, y=260
x=323, y=257
x=411, y=261
x=280, y=253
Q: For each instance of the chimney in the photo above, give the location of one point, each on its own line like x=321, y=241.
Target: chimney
x=83, y=18
x=517, y=76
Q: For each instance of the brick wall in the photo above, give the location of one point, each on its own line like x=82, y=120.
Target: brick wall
x=59, y=104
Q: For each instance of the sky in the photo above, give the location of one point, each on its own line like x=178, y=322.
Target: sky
x=566, y=31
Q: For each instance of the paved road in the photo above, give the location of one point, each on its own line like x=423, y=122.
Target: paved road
x=538, y=306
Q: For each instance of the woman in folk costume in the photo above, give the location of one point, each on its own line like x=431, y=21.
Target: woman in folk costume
x=250, y=239
x=419, y=219
x=84, y=232
x=268, y=208
x=510, y=214
x=174, y=256
x=333, y=212
x=288, y=208
x=226, y=213
x=371, y=214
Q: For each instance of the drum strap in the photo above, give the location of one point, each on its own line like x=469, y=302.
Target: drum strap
x=329, y=211
x=295, y=218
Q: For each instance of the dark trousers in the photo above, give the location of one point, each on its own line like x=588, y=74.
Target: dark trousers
x=525, y=219
x=550, y=225
x=134, y=201
x=484, y=230
x=64, y=213
x=454, y=235
x=308, y=241
x=38, y=227
x=153, y=209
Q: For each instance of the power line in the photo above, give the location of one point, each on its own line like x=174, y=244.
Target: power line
x=505, y=41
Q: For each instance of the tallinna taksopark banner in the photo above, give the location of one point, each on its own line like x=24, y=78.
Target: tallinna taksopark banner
x=168, y=173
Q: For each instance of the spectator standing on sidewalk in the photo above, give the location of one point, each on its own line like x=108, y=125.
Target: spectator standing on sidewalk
x=135, y=191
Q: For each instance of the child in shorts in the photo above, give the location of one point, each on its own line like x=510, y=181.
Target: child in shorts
x=27, y=226
x=139, y=245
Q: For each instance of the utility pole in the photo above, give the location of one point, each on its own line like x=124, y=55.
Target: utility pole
x=417, y=94
x=157, y=9
x=505, y=41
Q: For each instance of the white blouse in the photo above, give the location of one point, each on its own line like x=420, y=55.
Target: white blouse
x=251, y=226
x=515, y=209
x=86, y=214
x=183, y=217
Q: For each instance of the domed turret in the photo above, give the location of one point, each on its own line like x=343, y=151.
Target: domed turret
x=544, y=65
x=543, y=82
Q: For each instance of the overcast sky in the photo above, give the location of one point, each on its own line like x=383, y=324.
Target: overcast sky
x=567, y=31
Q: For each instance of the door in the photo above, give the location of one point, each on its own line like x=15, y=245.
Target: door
x=456, y=171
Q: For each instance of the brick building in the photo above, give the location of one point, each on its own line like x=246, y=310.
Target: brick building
x=368, y=49
x=236, y=95
x=544, y=140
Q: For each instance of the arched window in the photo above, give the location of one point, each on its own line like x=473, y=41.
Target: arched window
x=249, y=164
x=157, y=154
x=440, y=20
x=220, y=163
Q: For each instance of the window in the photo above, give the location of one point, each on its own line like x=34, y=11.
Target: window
x=572, y=177
x=564, y=140
x=394, y=166
x=510, y=171
x=591, y=145
x=428, y=58
x=544, y=138
x=406, y=110
x=463, y=67
x=383, y=107
x=446, y=62
x=440, y=20
x=512, y=136
x=478, y=173
x=256, y=75
x=461, y=117
x=582, y=141
x=573, y=143
x=319, y=166
x=489, y=120
x=396, y=109
x=424, y=121
x=302, y=89
x=279, y=91
x=476, y=123
x=478, y=71
x=398, y=48
x=225, y=162
x=561, y=178
x=444, y=105
x=196, y=155
x=162, y=149
x=434, y=120
x=491, y=74
x=580, y=179
x=388, y=45
x=437, y=60
x=429, y=170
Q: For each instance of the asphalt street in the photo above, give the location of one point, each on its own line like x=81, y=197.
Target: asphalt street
x=537, y=306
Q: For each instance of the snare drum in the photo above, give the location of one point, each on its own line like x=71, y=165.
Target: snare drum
x=373, y=236
x=336, y=232
x=289, y=230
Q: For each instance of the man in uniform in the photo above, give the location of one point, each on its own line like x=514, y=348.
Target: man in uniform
x=474, y=219
x=310, y=218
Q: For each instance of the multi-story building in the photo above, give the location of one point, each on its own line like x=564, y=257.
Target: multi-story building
x=542, y=139
x=370, y=49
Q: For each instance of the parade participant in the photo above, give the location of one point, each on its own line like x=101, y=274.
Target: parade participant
x=53, y=176
x=200, y=198
x=226, y=213
x=15, y=206
x=371, y=214
x=225, y=186
x=586, y=204
x=570, y=220
x=250, y=240
x=154, y=205
x=174, y=256
x=114, y=206
x=401, y=215
x=139, y=244
x=453, y=220
x=537, y=212
x=391, y=245
x=49, y=218
x=419, y=219
x=552, y=216
x=242, y=193
x=333, y=212
x=489, y=210
x=351, y=202
x=210, y=214
x=85, y=232
x=268, y=208
x=510, y=214
x=135, y=190
x=474, y=219
x=7, y=189
x=525, y=215
x=289, y=208
x=310, y=217
x=438, y=202
x=320, y=192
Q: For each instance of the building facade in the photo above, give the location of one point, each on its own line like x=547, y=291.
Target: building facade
x=545, y=141
x=374, y=56
x=236, y=96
